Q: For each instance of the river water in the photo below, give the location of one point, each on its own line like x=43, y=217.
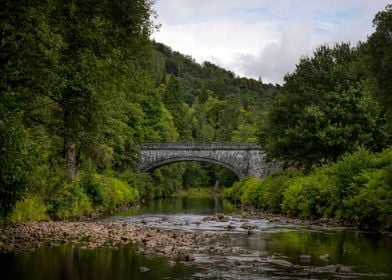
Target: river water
x=270, y=250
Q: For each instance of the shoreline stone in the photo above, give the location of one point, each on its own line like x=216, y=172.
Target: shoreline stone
x=28, y=236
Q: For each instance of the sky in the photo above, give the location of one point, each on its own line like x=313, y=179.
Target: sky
x=261, y=38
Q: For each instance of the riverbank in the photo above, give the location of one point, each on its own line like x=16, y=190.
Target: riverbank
x=91, y=235
x=28, y=236
x=356, y=190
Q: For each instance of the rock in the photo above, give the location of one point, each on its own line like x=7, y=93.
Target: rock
x=343, y=269
x=189, y=257
x=143, y=269
x=220, y=217
x=237, y=262
x=230, y=226
x=281, y=262
x=305, y=258
x=325, y=257
x=247, y=226
x=226, y=219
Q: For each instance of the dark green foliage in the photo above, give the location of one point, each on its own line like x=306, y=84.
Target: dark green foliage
x=14, y=164
x=91, y=186
x=68, y=201
x=324, y=111
x=379, y=47
x=144, y=184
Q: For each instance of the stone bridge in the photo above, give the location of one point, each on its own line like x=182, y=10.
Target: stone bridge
x=244, y=159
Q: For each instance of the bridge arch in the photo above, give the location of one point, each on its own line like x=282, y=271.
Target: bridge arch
x=244, y=159
x=167, y=161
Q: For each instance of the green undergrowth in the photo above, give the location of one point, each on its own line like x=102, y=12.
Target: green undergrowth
x=64, y=199
x=357, y=190
x=196, y=193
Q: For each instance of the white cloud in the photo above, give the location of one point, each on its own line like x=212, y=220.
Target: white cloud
x=261, y=37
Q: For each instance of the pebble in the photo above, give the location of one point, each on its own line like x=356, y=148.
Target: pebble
x=325, y=257
x=281, y=262
x=189, y=257
x=343, y=269
x=143, y=269
x=305, y=258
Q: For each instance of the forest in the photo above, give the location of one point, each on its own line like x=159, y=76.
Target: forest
x=82, y=85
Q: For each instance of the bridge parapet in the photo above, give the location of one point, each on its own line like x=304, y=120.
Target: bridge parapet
x=199, y=145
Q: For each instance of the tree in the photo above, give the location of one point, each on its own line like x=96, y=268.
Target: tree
x=173, y=98
x=324, y=111
x=67, y=60
x=379, y=47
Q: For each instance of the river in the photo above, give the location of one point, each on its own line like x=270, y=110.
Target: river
x=260, y=249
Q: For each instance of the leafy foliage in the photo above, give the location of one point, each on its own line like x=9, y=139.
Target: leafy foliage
x=324, y=111
x=357, y=189
x=14, y=162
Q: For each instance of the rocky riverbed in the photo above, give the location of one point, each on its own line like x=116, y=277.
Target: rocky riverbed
x=214, y=243
x=90, y=235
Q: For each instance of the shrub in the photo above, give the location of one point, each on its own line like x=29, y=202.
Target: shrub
x=264, y=193
x=235, y=192
x=273, y=189
x=251, y=190
x=372, y=206
x=116, y=193
x=92, y=187
x=142, y=182
x=68, y=201
x=29, y=209
x=309, y=196
x=348, y=168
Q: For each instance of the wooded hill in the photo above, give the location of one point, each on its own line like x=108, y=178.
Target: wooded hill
x=82, y=85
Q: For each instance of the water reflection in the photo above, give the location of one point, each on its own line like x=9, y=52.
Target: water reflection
x=67, y=262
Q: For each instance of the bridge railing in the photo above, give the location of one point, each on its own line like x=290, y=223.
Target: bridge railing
x=199, y=145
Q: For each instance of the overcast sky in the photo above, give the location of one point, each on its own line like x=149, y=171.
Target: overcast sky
x=261, y=37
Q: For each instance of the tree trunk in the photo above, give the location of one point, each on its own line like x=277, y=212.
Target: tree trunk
x=70, y=159
x=216, y=186
x=69, y=135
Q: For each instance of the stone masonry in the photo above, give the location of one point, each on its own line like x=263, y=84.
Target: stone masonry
x=244, y=159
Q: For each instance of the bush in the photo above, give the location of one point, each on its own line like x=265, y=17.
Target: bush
x=235, y=192
x=356, y=189
x=273, y=189
x=142, y=182
x=308, y=196
x=348, y=168
x=116, y=193
x=251, y=190
x=264, y=193
x=372, y=206
x=92, y=187
x=29, y=209
x=68, y=201
x=14, y=159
